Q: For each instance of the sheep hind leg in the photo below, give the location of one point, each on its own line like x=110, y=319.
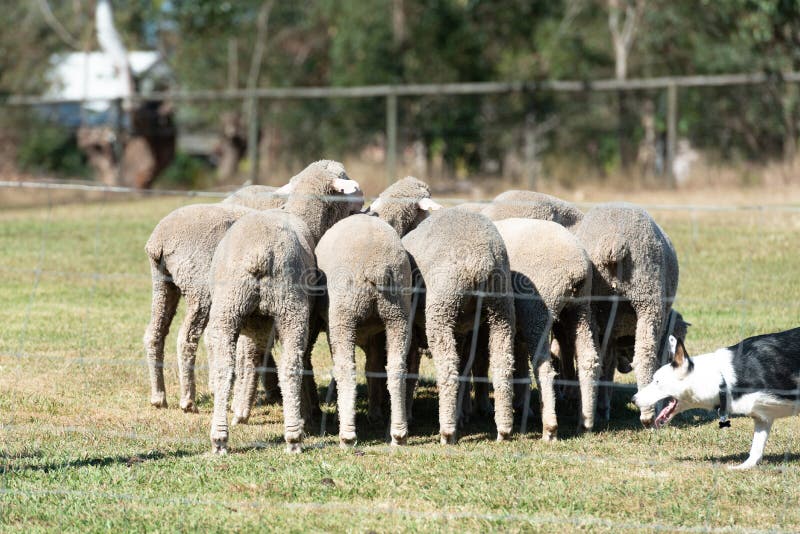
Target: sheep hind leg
x=165, y=302
x=443, y=346
x=342, y=338
x=396, y=370
x=501, y=323
x=254, y=343
x=222, y=339
x=194, y=323
x=589, y=368
x=292, y=330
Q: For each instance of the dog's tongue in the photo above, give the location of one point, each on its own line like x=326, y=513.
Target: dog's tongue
x=665, y=414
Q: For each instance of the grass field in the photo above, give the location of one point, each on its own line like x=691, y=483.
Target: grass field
x=81, y=449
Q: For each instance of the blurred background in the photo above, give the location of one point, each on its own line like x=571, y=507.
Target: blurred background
x=472, y=96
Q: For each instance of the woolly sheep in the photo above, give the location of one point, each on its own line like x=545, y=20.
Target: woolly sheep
x=635, y=261
x=368, y=277
x=261, y=276
x=463, y=264
x=180, y=250
x=259, y=197
x=552, y=278
x=533, y=205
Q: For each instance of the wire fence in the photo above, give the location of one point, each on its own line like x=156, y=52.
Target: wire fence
x=522, y=132
x=88, y=244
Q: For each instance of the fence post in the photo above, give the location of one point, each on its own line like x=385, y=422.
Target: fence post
x=253, y=127
x=118, y=146
x=672, y=129
x=391, y=137
x=529, y=150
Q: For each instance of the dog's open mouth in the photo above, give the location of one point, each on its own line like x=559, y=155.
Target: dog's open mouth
x=667, y=413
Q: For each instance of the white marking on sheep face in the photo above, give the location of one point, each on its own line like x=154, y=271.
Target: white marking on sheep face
x=346, y=187
x=429, y=204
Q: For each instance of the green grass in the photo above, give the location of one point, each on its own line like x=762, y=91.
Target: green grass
x=80, y=448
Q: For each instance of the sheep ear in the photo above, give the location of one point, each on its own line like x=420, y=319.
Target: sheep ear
x=285, y=190
x=376, y=205
x=428, y=204
x=346, y=187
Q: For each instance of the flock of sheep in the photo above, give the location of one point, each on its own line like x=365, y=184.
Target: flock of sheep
x=526, y=280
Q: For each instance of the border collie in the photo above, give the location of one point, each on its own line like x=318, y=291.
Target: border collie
x=759, y=377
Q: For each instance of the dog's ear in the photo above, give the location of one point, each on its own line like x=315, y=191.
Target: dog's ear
x=673, y=345
x=679, y=356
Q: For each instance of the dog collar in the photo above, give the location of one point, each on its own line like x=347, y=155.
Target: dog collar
x=723, y=409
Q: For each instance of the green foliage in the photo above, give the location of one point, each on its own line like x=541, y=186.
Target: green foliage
x=53, y=149
x=358, y=42
x=186, y=172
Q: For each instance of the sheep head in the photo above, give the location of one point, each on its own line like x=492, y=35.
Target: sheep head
x=404, y=204
x=321, y=195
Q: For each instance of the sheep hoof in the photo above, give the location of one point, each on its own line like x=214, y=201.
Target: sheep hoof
x=347, y=442
x=239, y=419
x=188, y=406
x=550, y=434
x=159, y=400
x=504, y=436
x=399, y=437
x=219, y=446
x=447, y=438
x=294, y=447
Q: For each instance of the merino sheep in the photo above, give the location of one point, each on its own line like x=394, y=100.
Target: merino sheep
x=262, y=274
x=258, y=197
x=369, y=285
x=552, y=278
x=463, y=264
x=634, y=261
x=533, y=205
x=180, y=250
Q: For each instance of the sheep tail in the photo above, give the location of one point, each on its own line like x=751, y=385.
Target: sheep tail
x=260, y=262
x=154, y=248
x=612, y=250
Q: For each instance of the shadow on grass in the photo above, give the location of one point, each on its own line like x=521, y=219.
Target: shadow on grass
x=425, y=421
x=733, y=459
x=100, y=461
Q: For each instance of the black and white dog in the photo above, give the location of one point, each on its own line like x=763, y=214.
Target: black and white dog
x=759, y=377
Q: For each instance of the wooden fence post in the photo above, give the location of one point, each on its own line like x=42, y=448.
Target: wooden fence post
x=391, y=137
x=253, y=126
x=672, y=130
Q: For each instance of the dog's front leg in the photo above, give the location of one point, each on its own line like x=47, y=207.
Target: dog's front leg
x=759, y=440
